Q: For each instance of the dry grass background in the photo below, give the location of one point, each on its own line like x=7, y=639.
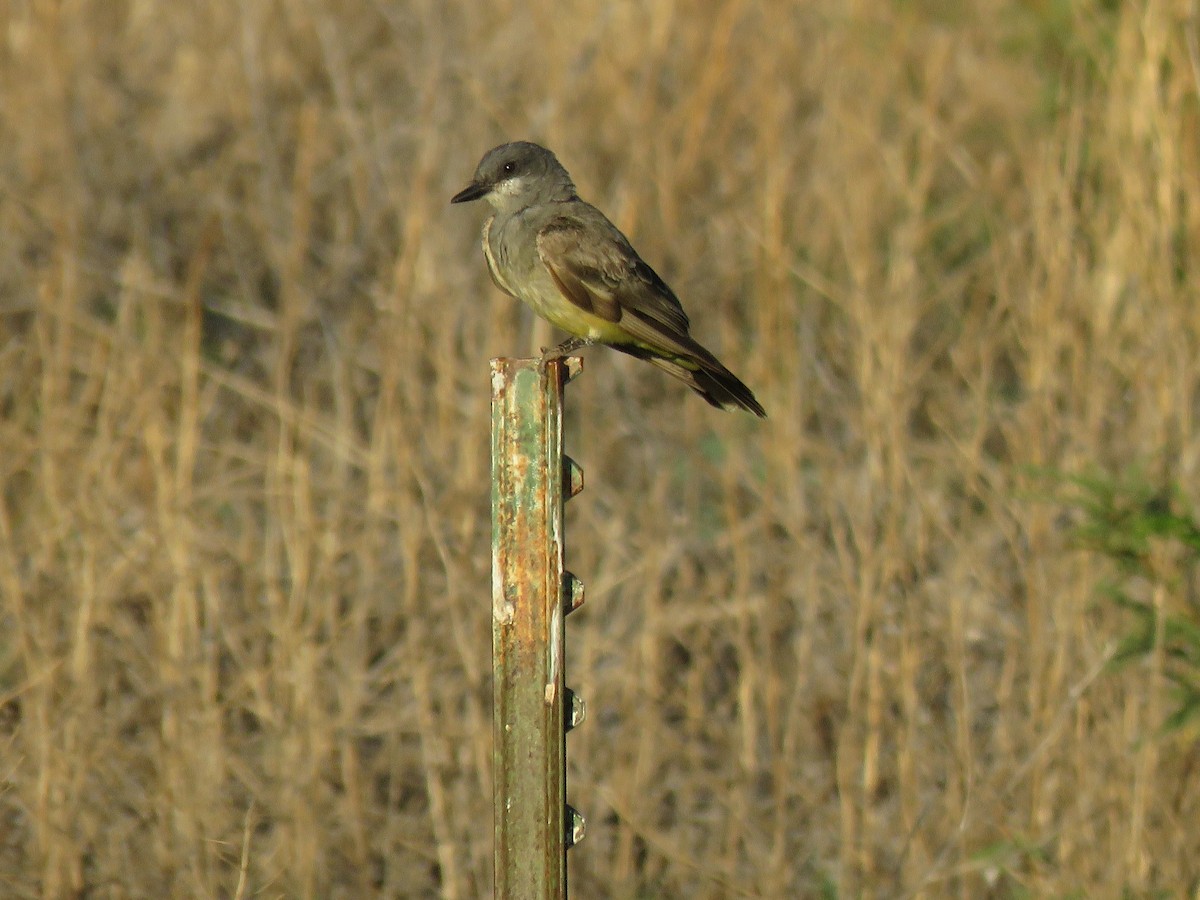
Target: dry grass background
x=845, y=652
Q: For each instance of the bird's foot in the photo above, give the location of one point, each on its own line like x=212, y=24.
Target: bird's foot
x=566, y=348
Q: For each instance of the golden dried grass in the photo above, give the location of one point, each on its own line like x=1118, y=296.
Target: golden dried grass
x=244, y=529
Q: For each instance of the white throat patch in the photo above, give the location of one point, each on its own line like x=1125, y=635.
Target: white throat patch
x=511, y=187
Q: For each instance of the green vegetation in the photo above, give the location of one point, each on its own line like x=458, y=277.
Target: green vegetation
x=1156, y=550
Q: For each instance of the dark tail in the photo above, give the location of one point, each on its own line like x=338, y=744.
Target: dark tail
x=714, y=383
x=682, y=357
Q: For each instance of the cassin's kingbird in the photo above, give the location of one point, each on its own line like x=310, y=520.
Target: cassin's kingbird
x=561, y=255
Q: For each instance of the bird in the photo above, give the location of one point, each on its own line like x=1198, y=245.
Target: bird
x=563, y=257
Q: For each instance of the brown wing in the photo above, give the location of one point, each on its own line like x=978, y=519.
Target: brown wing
x=598, y=270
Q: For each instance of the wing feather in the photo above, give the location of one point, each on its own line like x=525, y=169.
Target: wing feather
x=595, y=268
x=598, y=270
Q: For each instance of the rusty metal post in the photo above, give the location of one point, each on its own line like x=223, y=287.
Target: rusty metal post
x=531, y=595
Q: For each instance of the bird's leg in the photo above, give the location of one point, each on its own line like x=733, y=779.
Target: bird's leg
x=566, y=348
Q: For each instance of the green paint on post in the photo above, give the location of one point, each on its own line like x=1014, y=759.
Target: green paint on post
x=529, y=741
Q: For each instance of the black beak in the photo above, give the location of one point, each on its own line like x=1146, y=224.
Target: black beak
x=472, y=191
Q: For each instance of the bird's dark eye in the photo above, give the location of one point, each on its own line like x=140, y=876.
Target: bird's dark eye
x=509, y=168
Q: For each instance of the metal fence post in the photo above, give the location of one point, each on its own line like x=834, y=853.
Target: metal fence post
x=531, y=594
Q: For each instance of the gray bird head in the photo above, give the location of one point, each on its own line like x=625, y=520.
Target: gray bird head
x=513, y=176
